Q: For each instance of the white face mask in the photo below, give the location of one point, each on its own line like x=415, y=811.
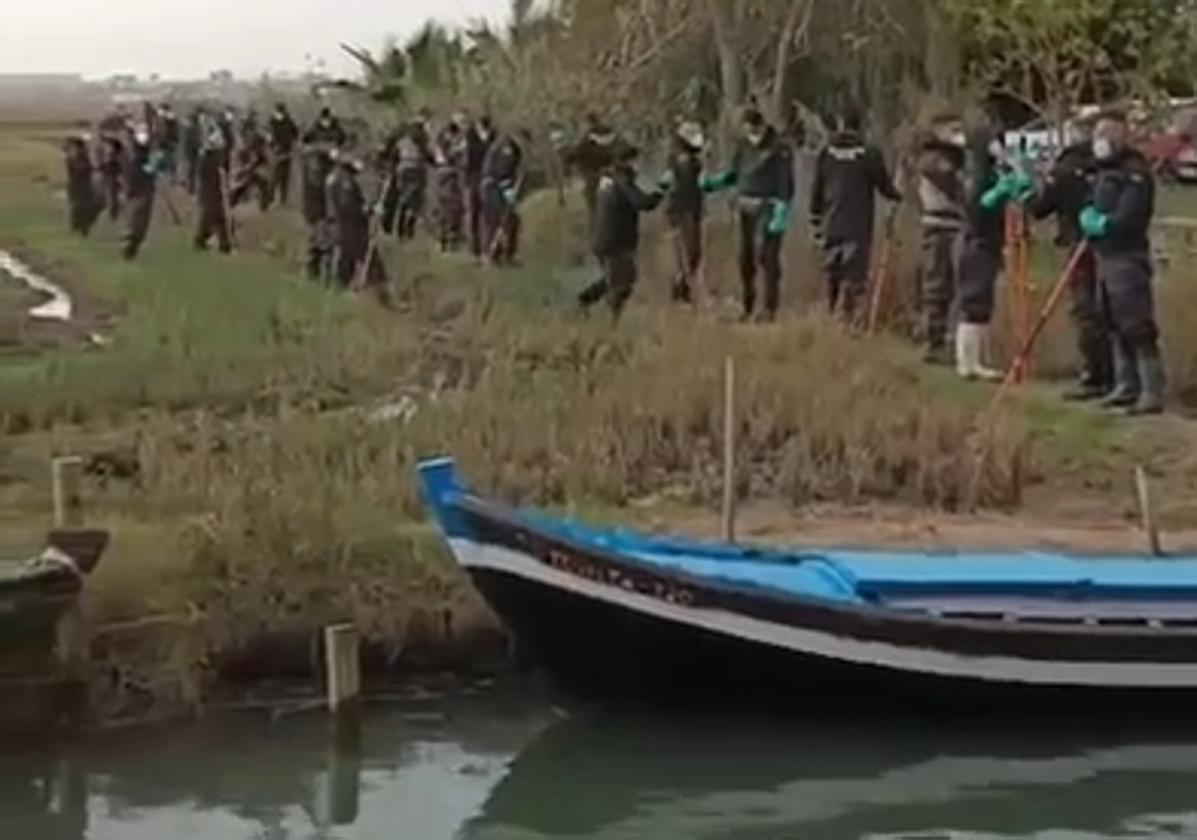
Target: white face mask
x=1103, y=148
x=958, y=139
x=997, y=149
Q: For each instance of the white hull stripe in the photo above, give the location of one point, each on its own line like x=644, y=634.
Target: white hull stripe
x=997, y=669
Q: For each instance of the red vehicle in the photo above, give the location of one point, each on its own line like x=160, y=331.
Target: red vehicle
x=1173, y=150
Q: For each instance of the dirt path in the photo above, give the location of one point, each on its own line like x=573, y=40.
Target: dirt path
x=61, y=313
x=887, y=527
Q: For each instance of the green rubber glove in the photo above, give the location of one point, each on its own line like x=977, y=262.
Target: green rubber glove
x=155, y=163
x=780, y=219
x=719, y=181
x=996, y=196
x=509, y=196
x=1094, y=223
x=1019, y=185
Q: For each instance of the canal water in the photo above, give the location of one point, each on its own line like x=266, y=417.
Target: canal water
x=492, y=772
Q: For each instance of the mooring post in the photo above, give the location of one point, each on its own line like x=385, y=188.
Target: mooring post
x=66, y=476
x=729, y=450
x=1147, y=514
x=342, y=668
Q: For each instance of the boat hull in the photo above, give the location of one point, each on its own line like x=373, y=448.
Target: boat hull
x=595, y=651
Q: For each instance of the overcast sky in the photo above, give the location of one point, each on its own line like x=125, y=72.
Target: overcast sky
x=189, y=38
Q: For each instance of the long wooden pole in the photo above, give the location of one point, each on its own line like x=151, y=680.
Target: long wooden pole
x=729, y=451
x=1028, y=342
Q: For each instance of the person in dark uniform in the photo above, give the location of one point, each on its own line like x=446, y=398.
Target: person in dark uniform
x=940, y=165
x=190, y=145
x=685, y=206
x=141, y=177
x=317, y=167
x=1065, y=193
x=112, y=170
x=211, y=197
x=479, y=137
x=284, y=134
x=592, y=156
x=412, y=159
x=451, y=159
x=326, y=129
x=169, y=139
x=252, y=174
x=848, y=174
x=227, y=123
x=502, y=179
x=83, y=200
x=619, y=202
x=349, y=218
x=762, y=171
x=1117, y=224
x=987, y=191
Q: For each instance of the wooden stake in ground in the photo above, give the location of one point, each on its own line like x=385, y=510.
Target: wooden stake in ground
x=342, y=668
x=881, y=275
x=1147, y=514
x=729, y=451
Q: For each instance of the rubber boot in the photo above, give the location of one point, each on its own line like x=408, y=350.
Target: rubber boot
x=970, y=343
x=1126, y=380
x=1151, y=376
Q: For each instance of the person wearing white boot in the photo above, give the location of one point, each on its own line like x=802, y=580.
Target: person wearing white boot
x=987, y=193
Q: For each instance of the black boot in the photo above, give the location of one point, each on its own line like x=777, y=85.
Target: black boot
x=1151, y=376
x=1126, y=380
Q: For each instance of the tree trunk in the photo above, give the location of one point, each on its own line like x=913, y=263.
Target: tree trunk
x=731, y=73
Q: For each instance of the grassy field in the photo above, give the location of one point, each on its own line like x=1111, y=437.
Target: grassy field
x=227, y=427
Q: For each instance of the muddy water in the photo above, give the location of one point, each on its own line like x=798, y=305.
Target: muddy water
x=487, y=772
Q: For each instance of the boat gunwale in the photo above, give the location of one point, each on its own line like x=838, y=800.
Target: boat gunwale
x=865, y=615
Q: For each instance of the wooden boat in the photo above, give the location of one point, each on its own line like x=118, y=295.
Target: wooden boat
x=618, y=616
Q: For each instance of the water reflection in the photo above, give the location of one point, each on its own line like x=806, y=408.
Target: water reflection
x=510, y=774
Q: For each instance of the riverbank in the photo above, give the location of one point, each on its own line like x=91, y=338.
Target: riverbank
x=250, y=440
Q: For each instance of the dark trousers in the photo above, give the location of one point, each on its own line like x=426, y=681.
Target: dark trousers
x=1125, y=280
x=1091, y=320
x=937, y=282
x=318, y=262
x=213, y=222
x=616, y=283
x=250, y=183
x=474, y=212
x=84, y=208
x=976, y=279
x=410, y=187
x=687, y=238
x=280, y=179
x=846, y=269
x=352, y=245
x=759, y=250
x=450, y=210
x=140, y=211
x=501, y=225
x=112, y=195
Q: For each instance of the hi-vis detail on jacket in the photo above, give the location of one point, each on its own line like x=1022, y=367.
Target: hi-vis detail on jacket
x=846, y=154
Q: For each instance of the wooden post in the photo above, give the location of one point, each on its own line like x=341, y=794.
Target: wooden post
x=1147, y=514
x=729, y=451
x=66, y=475
x=342, y=668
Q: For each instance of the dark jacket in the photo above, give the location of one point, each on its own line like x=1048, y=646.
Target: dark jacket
x=317, y=166
x=209, y=176
x=983, y=227
x=685, y=194
x=1124, y=188
x=941, y=185
x=591, y=157
x=619, y=202
x=79, y=172
x=138, y=181
x=112, y=157
x=1066, y=192
x=764, y=170
x=283, y=133
x=477, y=146
x=848, y=174
x=347, y=207
x=326, y=131
x=503, y=160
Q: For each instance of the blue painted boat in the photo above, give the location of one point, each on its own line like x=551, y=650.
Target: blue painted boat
x=620, y=616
